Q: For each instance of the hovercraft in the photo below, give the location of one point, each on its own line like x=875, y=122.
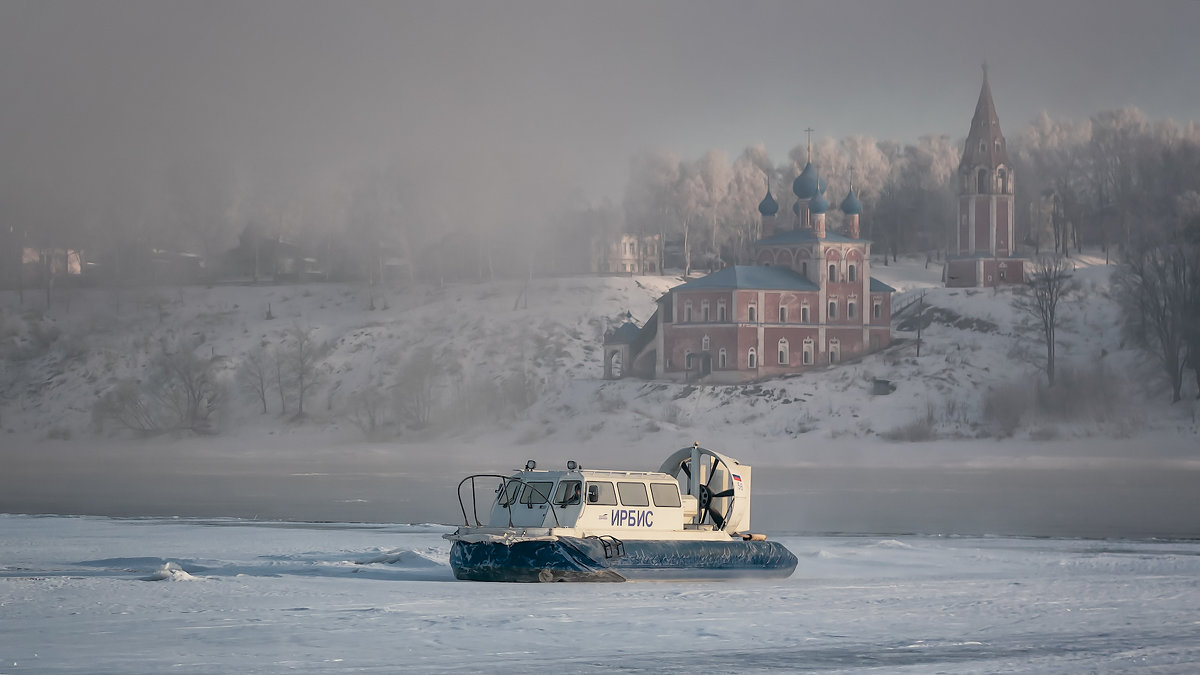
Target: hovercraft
x=688, y=520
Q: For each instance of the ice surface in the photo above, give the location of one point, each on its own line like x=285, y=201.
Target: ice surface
x=331, y=597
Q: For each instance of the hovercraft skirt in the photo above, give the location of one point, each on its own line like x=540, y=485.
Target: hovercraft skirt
x=584, y=559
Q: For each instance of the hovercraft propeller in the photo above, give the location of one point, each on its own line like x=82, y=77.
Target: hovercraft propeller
x=702, y=466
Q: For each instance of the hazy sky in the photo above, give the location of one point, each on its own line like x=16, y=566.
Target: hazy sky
x=508, y=100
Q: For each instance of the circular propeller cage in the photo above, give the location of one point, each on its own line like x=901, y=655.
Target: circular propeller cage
x=708, y=478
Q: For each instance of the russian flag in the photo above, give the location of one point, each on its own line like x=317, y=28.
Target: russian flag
x=736, y=477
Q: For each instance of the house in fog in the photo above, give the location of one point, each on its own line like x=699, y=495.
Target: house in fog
x=984, y=252
x=809, y=301
x=627, y=253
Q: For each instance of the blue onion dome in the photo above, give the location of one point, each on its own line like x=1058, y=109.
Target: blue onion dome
x=768, y=206
x=795, y=208
x=851, y=205
x=808, y=183
x=818, y=204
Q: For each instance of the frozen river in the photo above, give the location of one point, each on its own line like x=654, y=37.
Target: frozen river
x=103, y=595
x=947, y=488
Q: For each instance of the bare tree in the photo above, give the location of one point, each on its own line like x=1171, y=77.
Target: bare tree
x=1157, y=289
x=416, y=386
x=181, y=392
x=186, y=385
x=1049, y=281
x=302, y=358
x=255, y=374
x=280, y=377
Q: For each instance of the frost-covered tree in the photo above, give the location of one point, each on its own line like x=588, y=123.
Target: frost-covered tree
x=649, y=200
x=689, y=199
x=750, y=174
x=714, y=172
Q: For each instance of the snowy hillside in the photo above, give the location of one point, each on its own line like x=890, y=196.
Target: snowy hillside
x=490, y=358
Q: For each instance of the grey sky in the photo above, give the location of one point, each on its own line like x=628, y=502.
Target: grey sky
x=511, y=100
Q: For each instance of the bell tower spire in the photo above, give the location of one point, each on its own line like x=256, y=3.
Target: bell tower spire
x=985, y=193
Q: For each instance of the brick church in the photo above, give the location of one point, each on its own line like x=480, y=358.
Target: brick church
x=809, y=301
x=984, y=252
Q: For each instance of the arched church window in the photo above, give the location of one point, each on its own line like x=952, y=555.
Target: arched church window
x=783, y=351
x=981, y=181
x=752, y=358
x=832, y=272
x=704, y=343
x=721, y=358
x=1003, y=182
x=752, y=312
x=850, y=273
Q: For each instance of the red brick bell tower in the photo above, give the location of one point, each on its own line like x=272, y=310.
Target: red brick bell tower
x=983, y=250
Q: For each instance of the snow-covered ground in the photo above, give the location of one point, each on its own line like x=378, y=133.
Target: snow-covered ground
x=100, y=595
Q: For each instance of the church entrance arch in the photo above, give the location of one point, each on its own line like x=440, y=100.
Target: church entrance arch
x=615, y=367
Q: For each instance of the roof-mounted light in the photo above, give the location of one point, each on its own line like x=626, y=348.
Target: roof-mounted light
x=530, y=465
x=571, y=465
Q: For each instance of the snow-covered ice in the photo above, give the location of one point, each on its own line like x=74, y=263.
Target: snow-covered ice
x=76, y=596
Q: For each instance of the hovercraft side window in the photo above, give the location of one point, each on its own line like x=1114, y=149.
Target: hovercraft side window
x=567, y=493
x=633, y=494
x=507, y=492
x=536, y=492
x=665, y=494
x=602, y=493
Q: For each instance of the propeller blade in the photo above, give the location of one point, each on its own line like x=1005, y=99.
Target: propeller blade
x=724, y=493
x=718, y=520
x=685, y=468
x=712, y=472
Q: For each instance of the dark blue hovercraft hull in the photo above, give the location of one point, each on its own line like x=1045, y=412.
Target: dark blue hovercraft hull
x=590, y=559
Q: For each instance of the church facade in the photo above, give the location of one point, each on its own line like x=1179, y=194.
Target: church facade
x=985, y=241
x=809, y=301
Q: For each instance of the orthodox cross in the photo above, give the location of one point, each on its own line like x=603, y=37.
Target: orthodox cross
x=809, y=132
